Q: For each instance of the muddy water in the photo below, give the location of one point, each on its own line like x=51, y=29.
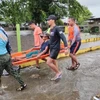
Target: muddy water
x=81, y=84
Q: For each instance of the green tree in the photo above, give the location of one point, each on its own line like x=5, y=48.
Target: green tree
x=40, y=9
x=15, y=11
x=84, y=16
x=18, y=11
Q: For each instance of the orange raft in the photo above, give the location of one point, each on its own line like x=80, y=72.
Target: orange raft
x=30, y=61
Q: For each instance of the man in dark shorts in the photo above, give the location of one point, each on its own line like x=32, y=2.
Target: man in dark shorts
x=56, y=35
x=75, y=42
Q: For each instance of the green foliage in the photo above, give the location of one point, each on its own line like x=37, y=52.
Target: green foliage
x=75, y=9
x=86, y=31
x=84, y=16
x=14, y=11
x=18, y=11
x=0, y=17
x=42, y=8
x=59, y=22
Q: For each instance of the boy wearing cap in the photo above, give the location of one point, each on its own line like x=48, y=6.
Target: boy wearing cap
x=43, y=50
x=56, y=35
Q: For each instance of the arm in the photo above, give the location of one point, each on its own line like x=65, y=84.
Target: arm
x=34, y=48
x=43, y=52
x=68, y=34
x=62, y=36
x=68, y=37
x=39, y=31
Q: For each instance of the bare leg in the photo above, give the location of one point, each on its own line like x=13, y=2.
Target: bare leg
x=19, y=57
x=55, y=63
x=73, y=62
x=44, y=59
x=52, y=64
x=74, y=59
x=37, y=64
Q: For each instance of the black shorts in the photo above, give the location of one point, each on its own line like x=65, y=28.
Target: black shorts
x=75, y=47
x=54, y=53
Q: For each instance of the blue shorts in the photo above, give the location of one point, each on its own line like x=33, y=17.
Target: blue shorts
x=33, y=53
x=75, y=47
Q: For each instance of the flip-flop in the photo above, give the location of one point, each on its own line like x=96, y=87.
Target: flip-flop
x=77, y=66
x=96, y=98
x=21, y=88
x=38, y=67
x=57, y=77
x=70, y=68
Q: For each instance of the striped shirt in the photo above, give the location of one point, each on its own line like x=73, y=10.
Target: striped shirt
x=3, y=42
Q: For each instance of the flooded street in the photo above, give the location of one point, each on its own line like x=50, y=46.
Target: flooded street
x=81, y=84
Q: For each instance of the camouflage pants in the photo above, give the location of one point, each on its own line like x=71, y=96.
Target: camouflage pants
x=5, y=63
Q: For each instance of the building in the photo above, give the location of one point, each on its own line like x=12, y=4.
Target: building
x=94, y=25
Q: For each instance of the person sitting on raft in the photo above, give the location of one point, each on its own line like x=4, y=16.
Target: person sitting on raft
x=44, y=49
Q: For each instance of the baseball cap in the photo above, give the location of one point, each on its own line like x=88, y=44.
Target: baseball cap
x=45, y=34
x=51, y=17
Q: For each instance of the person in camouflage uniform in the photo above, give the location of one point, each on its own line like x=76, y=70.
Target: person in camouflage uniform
x=5, y=59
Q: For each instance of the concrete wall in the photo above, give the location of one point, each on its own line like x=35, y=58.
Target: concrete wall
x=94, y=24
x=24, y=32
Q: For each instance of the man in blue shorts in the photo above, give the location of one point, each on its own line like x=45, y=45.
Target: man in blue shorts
x=56, y=35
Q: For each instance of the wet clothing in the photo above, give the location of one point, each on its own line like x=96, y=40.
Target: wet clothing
x=56, y=34
x=5, y=59
x=74, y=32
x=3, y=42
x=77, y=33
x=37, y=39
x=74, y=38
x=54, y=53
x=5, y=63
x=5, y=38
x=75, y=47
x=31, y=54
x=36, y=52
x=44, y=45
x=70, y=33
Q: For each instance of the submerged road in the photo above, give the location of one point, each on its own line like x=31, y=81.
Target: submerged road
x=81, y=84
